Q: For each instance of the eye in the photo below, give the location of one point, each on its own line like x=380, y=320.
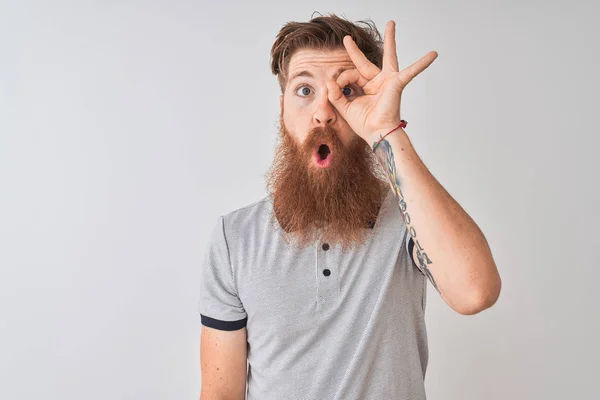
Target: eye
x=303, y=91
x=348, y=91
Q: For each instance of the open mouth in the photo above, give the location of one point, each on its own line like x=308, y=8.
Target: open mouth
x=323, y=156
x=324, y=151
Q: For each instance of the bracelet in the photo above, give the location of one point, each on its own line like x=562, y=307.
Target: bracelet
x=403, y=124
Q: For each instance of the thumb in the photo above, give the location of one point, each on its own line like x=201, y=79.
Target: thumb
x=337, y=98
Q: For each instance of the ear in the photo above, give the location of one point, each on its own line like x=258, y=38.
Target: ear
x=281, y=104
x=281, y=130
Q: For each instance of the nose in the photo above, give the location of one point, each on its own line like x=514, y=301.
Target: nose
x=324, y=113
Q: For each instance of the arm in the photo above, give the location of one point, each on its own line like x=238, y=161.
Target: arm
x=449, y=245
x=450, y=249
x=223, y=339
x=223, y=364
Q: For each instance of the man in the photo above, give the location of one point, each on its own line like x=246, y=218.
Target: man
x=317, y=291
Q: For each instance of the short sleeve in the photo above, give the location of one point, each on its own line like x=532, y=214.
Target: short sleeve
x=219, y=306
x=410, y=244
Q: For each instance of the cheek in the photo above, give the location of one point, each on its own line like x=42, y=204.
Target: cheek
x=296, y=123
x=296, y=111
x=347, y=135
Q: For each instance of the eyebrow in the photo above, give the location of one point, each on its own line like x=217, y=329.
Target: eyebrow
x=308, y=74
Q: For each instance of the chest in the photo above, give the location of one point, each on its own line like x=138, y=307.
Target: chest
x=296, y=291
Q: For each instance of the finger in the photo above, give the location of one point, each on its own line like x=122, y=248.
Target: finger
x=390, y=58
x=351, y=76
x=337, y=98
x=362, y=63
x=408, y=73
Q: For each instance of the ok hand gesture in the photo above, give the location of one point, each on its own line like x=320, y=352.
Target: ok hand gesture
x=378, y=110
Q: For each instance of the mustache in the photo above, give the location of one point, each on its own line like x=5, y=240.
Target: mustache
x=323, y=135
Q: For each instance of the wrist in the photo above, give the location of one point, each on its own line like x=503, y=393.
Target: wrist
x=386, y=133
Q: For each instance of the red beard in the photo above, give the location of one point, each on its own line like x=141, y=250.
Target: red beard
x=335, y=204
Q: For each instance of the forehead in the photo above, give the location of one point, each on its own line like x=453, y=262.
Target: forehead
x=319, y=62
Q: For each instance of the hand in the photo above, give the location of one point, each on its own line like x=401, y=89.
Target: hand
x=378, y=110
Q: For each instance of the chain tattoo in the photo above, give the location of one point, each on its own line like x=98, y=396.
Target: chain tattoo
x=383, y=151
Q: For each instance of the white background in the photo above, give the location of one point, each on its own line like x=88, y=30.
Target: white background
x=128, y=127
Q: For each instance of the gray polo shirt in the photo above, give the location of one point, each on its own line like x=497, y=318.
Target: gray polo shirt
x=321, y=323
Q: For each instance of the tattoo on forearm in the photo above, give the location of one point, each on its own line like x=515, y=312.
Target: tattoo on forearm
x=383, y=151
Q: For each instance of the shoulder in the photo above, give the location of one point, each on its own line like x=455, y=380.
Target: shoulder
x=248, y=220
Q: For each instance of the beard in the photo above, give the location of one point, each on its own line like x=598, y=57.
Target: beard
x=337, y=204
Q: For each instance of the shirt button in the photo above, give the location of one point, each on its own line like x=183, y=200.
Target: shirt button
x=325, y=246
x=326, y=272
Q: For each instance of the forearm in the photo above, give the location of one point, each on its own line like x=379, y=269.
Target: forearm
x=450, y=247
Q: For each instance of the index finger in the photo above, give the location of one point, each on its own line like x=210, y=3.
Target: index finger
x=350, y=76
